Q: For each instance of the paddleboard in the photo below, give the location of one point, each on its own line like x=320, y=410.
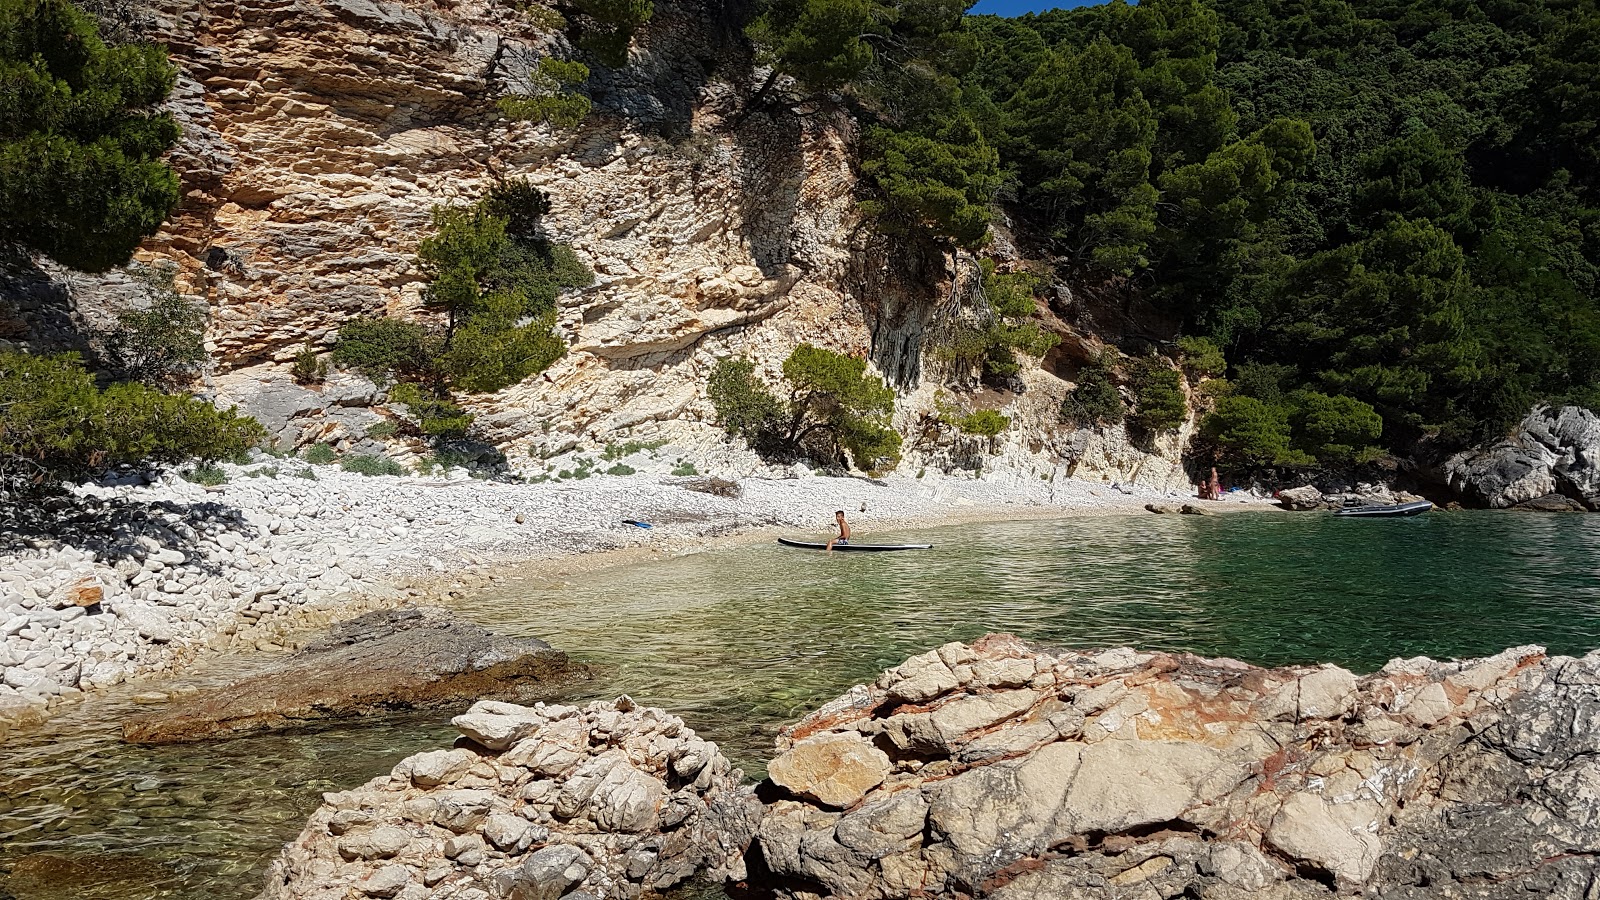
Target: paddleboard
x=863, y=548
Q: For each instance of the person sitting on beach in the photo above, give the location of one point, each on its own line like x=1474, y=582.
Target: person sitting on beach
x=844, y=530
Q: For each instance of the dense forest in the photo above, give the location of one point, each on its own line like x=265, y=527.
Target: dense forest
x=1367, y=205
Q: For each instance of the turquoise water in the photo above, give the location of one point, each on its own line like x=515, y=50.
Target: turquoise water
x=741, y=641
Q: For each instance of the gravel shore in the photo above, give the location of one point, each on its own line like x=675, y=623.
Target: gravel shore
x=146, y=577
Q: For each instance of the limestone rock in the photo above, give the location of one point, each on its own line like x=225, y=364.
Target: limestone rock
x=833, y=769
x=633, y=824
x=1129, y=774
x=1555, y=450
x=379, y=661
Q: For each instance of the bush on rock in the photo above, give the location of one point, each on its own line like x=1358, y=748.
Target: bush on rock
x=57, y=425
x=834, y=408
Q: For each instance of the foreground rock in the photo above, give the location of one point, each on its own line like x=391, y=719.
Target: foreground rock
x=998, y=771
x=608, y=801
x=1556, y=450
x=395, y=659
x=1004, y=772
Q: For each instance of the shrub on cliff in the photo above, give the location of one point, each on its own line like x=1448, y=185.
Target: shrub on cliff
x=1094, y=400
x=382, y=348
x=1158, y=402
x=1335, y=430
x=1009, y=304
x=497, y=290
x=1247, y=433
x=834, y=408
x=551, y=97
x=58, y=426
x=162, y=345
x=82, y=178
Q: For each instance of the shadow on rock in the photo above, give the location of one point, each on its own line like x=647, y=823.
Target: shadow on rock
x=116, y=528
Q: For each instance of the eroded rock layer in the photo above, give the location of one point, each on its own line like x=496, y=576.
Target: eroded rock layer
x=999, y=771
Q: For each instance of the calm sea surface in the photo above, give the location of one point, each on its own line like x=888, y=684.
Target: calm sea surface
x=740, y=641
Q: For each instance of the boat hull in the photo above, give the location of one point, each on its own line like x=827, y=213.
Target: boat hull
x=1397, y=511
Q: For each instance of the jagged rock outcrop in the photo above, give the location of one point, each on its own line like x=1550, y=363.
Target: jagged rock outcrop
x=1311, y=497
x=534, y=803
x=1002, y=770
x=999, y=771
x=386, y=660
x=1556, y=450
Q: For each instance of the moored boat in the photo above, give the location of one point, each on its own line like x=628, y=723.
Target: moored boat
x=1397, y=510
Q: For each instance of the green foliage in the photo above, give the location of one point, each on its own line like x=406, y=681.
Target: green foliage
x=1158, y=401
x=206, y=474
x=381, y=430
x=551, y=98
x=307, y=474
x=984, y=423
x=371, y=465
x=520, y=203
x=59, y=426
x=1335, y=430
x=162, y=345
x=621, y=469
x=615, y=451
x=1095, y=399
x=1390, y=201
x=834, y=407
x=82, y=175
x=1202, y=358
x=497, y=290
x=994, y=346
x=384, y=348
x=310, y=367
x=318, y=454
x=430, y=414
x=1307, y=428
x=684, y=469
x=940, y=184
x=1250, y=434
x=746, y=408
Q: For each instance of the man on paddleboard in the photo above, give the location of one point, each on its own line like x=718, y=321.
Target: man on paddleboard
x=844, y=530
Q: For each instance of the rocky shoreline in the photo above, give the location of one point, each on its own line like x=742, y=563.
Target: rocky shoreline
x=1009, y=771
x=117, y=583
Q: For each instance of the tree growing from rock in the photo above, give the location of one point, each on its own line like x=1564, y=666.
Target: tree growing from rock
x=834, y=408
x=494, y=281
x=82, y=178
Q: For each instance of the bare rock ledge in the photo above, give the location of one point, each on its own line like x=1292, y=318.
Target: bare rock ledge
x=1006, y=771
x=388, y=660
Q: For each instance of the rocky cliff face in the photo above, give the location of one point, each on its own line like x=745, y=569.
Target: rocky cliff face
x=1000, y=770
x=318, y=135
x=1552, y=461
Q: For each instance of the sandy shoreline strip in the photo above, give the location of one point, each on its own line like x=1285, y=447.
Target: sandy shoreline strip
x=260, y=562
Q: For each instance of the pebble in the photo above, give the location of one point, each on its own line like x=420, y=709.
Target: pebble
x=346, y=541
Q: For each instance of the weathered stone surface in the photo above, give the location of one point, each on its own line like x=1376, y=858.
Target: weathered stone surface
x=833, y=769
x=621, y=822
x=1556, y=450
x=379, y=661
x=1107, y=775
x=1156, y=775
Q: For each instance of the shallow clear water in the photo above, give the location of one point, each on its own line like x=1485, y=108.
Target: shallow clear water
x=740, y=641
